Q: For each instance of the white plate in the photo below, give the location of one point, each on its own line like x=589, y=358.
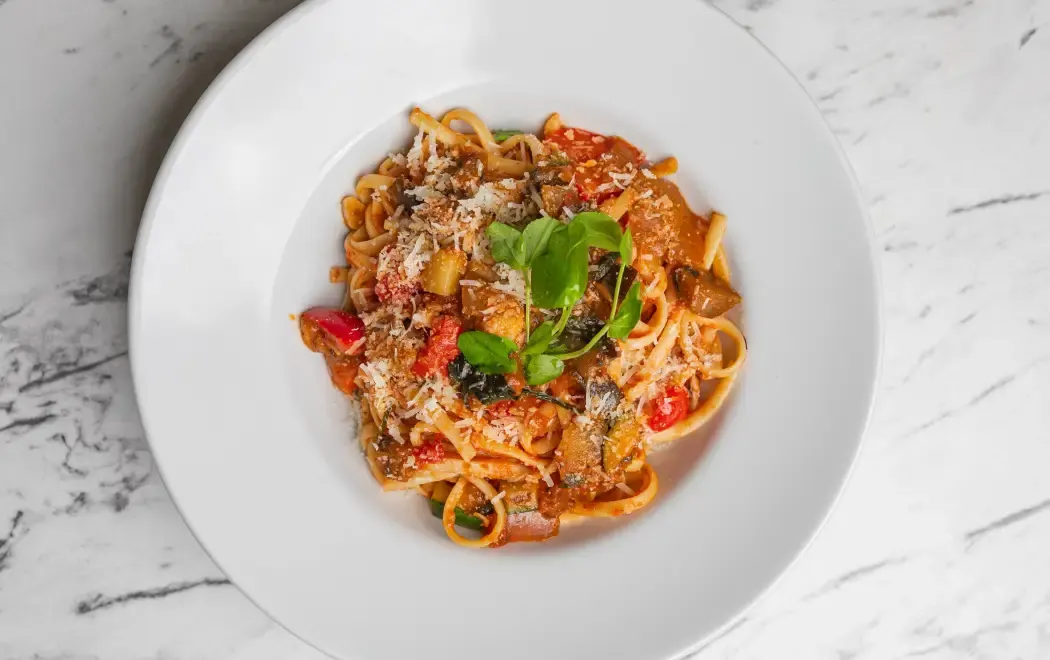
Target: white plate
x=258, y=449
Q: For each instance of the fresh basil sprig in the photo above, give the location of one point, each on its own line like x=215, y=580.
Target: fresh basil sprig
x=519, y=249
x=554, y=259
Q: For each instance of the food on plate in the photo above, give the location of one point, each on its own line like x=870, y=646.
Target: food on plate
x=527, y=316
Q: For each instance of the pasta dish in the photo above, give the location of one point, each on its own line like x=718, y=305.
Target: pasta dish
x=527, y=317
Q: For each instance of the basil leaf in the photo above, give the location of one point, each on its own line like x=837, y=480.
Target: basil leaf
x=540, y=339
x=602, y=230
x=500, y=135
x=505, y=242
x=535, y=238
x=627, y=247
x=627, y=314
x=487, y=352
x=540, y=369
x=559, y=276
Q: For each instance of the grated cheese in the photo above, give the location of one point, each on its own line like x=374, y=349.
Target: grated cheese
x=546, y=476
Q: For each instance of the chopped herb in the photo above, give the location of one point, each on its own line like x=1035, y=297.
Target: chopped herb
x=501, y=135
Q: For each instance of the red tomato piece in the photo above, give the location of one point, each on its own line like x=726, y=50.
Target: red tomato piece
x=334, y=329
x=430, y=452
x=595, y=159
x=442, y=347
x=579, y=145
x=668, y=409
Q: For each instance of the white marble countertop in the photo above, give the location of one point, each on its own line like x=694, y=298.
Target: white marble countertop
x=939, y=547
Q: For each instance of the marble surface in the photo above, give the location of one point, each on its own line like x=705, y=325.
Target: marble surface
x=938, y=548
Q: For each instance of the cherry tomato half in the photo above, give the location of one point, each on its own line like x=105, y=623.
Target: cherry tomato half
x=667, y=409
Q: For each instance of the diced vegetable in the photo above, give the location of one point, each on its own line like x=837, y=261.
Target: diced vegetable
x=530, y=526
x=479, y=271
x=622, y=439
x=662, y=224
x=579, y=456
x=440, y=349
x=556, y=198
x=463, y=519
x=442, y=274
x=520, y=497
x=441, y=491
x=553, y=500
x=603, y=398
x=669, y=408
x=578, y=331
x=605, y=272
x=333, y=329
x=488, y=309
x=703, y=292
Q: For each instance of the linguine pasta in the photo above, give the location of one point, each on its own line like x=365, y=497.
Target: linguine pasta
x=509, y=416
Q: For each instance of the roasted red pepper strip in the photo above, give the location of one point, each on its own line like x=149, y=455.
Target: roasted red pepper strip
x=441, y=348
x=668, y=409
x=334, y=329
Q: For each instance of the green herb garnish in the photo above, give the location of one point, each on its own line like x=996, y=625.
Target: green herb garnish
x=540, y=369
x=554, y=258
x=489, y=353
x=502, y=134
x=518, y=249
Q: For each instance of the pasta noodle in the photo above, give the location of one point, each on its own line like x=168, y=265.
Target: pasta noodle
x=493, y=454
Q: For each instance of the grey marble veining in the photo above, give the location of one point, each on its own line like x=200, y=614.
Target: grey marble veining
x=937, y=549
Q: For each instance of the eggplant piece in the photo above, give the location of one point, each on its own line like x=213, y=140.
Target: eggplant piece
x=579, y=457
x=554, y=499
x=703, y=292
x=520, y=497
x=619, y=445
x=603, y=399
x=606, y=270
x=581, y=329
